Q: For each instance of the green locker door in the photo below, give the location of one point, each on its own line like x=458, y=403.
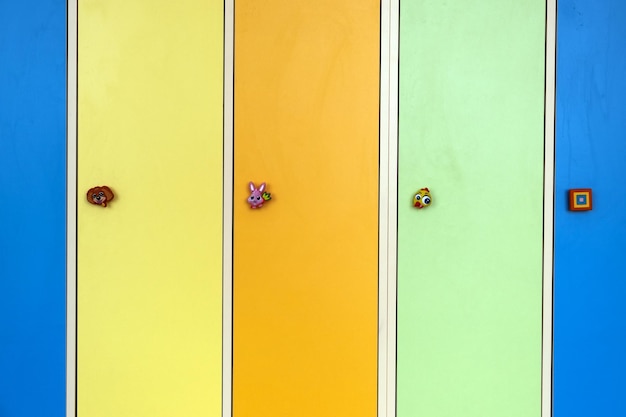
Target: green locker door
x=471, y=120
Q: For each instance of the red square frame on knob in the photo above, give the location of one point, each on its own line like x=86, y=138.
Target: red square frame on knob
x=580, y=199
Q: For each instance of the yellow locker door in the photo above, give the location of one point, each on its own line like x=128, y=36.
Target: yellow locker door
x=306, y=119
x=149, y=264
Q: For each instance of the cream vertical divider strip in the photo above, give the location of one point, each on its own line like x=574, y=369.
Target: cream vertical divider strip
x=71, y=169
x=548, y=208
x=383, y=211
x=388, y=211
x=227, y=246
x=392, y=253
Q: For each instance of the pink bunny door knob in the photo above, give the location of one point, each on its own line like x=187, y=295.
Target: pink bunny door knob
x=258, y=196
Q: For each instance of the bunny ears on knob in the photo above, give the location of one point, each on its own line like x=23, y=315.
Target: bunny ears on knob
x=258, y=196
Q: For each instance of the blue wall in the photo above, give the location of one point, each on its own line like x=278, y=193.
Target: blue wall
x=32, y=207
x=590, y=247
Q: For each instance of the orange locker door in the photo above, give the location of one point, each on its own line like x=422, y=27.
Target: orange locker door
x=305, y=291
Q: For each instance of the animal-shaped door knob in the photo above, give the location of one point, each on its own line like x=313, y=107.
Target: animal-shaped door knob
x=258, y=196
x=101, y=195
x=422, y=198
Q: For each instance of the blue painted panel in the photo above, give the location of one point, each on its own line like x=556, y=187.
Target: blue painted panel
x=590, y=247
x=32, y=207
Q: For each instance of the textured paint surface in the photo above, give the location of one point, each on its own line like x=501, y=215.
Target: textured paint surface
x=469, y=266
x=305, y=265
x=32, y=213
x=589, y=289
x=149, y=265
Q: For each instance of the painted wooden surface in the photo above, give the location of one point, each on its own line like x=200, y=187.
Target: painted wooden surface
x=149, y=265
x=305, y=265
x=589, y=289
x=32, y=180
x=471, y=110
